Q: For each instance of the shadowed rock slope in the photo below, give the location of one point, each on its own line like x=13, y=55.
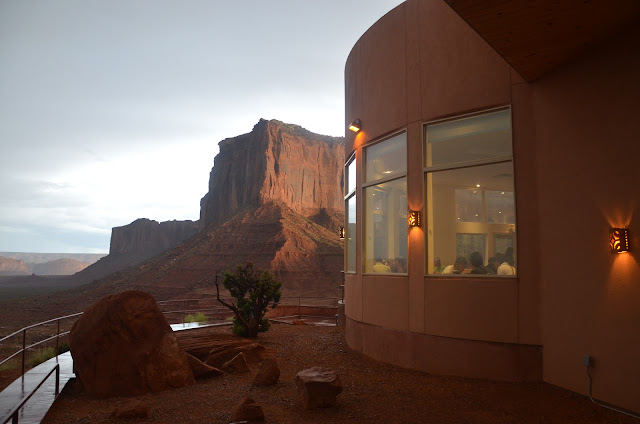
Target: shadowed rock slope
x=306, y=256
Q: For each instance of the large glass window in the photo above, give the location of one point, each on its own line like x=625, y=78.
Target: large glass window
x=350, y=212
x=385, y=205
x=470, y=201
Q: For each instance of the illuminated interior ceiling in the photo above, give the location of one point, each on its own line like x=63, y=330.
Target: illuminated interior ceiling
x=537, y=36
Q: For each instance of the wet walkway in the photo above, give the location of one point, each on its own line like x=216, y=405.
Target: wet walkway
x=36, y=407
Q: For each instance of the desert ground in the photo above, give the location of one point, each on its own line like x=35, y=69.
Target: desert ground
x=373, y=392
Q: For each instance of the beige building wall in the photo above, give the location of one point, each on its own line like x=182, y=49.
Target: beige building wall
x=574, y=147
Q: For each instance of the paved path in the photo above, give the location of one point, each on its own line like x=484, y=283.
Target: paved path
x=38, y=405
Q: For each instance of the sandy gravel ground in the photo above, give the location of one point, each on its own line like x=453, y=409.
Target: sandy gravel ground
x=373, y=393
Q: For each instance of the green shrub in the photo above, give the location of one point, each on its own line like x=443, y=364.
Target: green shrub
x=42, y=355
x=197, y=317
x=249, y=311
x=9, y=365
x=64, y=347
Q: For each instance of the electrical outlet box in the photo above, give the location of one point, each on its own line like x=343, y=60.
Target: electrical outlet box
x=587, y=360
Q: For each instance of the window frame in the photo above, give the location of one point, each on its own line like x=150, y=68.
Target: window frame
x=347, y=197
x=366, y=184
x=468, y=164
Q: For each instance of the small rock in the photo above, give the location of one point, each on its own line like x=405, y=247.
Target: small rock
x=318, y=387
x=131, y=408
x=248, y=411
x=200, y=369
x=238, y=364
x=269, y=373
x=298, y=322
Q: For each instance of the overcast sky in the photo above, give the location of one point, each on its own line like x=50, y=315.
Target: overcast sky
x=112, y=110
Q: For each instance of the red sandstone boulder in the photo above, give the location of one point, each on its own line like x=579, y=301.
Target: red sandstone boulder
x=269, y=373
x=248, y=411
x=318, y=387
x=123, y=346
x=253, y=353
x=200, y=369
x=238, y=364
x=131, y=408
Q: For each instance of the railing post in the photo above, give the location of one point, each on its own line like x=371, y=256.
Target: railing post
x=57, y=389
x=58, y=340
x=342, y=286
x=24, y=345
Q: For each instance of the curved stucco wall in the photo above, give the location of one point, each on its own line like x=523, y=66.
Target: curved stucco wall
x=420, y=63
x=575, y=151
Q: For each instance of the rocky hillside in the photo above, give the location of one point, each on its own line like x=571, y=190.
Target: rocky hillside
x=304, y=255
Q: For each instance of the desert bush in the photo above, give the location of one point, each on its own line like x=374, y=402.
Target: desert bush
x=252, y=292
x=42, y=355
x=64, y=347
x=197, y=317
x=9, y=365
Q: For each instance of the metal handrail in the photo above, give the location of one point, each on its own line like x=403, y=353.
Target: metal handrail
x=40, y=323
x=13, y=415
x=24, y=338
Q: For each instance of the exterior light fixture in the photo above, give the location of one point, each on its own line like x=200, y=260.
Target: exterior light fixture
x=619, y=240
x=414, y=219
x=355, y=126
x=342, y=232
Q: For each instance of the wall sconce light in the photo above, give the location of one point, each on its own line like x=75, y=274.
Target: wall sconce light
x=355, y=126
x=342, y=232
x=619, y=240
x=414, y=219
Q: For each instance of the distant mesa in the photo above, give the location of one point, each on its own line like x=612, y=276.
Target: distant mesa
x=138, y=241
x=63, y=266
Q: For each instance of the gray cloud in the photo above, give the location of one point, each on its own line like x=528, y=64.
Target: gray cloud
x=88, y=86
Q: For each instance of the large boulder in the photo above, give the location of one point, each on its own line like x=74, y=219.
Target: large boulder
x=248, y=411
x=268, y=373
x=123, y=346
x=238, y=364
x=318, y=387
x=200, y=369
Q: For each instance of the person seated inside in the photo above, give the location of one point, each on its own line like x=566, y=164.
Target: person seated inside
x=507, y=267
x=379, y=266
x=476, y=262
x=493, y=263
x=437, y=266
x=398, y=265
x=457, y=268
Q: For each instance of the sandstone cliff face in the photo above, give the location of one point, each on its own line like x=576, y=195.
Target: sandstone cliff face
x=276, y=162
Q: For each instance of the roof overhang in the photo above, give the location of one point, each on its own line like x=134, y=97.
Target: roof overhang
x=535, y=37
